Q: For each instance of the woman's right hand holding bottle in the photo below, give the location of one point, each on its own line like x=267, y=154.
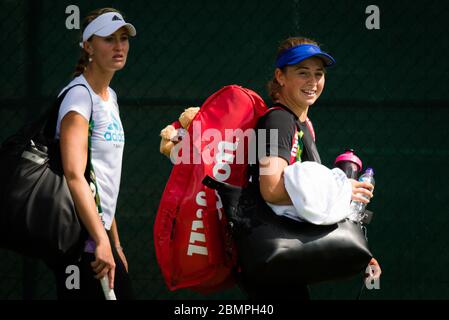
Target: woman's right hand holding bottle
x=361, y=191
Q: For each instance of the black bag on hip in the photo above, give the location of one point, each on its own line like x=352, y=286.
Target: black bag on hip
x=279, y=251
x=37, y=213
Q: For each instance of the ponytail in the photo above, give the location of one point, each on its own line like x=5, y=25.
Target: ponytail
x=83, y=61
x=274, y=87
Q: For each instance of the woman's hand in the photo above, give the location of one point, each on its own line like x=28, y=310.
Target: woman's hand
x=374, y=269
x=364, y=188
x=104, y=263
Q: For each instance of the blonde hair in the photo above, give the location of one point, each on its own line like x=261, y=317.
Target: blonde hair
x=273, y=85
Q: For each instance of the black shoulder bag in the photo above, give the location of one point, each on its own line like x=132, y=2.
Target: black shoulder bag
x=37, y=213
x=279, y=251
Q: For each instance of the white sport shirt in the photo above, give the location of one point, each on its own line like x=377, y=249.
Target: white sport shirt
x=107, y=142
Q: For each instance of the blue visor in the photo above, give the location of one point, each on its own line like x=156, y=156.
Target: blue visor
x=302, y=52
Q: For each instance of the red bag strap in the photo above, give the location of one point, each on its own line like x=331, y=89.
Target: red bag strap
x=310, y=126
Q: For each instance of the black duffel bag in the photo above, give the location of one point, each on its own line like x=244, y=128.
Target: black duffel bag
x=279, y=251
x=37, y=213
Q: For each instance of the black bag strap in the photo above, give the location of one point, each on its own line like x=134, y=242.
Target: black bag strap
x=44, y=129
x=49, y=120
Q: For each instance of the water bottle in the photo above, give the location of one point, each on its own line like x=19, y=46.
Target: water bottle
x=357, y=208
x=349, y=163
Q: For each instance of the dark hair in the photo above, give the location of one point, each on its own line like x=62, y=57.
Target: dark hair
x=273, y=85
x=83, y=60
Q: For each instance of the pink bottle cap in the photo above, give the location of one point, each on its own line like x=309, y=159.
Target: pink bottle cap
x=349, y=156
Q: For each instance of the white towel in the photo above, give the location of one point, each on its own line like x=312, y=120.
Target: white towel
x=319, y=195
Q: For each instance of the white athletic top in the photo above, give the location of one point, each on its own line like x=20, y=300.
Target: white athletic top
x=107, y=141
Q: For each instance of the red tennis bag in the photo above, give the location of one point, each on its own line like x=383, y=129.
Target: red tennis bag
x=192, y=246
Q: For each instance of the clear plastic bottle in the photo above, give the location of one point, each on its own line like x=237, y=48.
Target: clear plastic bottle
x=358, y=208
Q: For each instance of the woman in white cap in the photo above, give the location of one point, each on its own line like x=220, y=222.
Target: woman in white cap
x=297, y=83
x=91, y=142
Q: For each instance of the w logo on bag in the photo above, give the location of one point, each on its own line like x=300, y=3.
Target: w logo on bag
x=193, y=247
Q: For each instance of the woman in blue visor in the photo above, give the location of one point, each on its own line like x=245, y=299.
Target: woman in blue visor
x=298, y=81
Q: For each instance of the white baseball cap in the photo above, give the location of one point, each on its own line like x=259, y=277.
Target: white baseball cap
x=105, y=25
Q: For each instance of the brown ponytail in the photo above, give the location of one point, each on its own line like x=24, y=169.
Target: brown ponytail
x=273, y=85
x=83, y=60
